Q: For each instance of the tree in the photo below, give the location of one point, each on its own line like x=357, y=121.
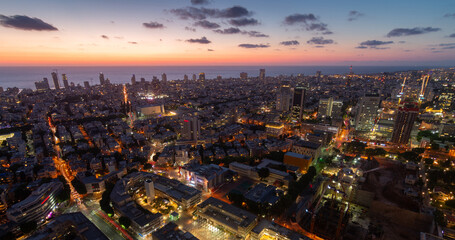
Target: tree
x=355, y=147
x=434, y=146
x=147, y=166
x=410, y=156
x=428, y=161
x=263, y=173
x=236, y=198
x=28, y=227
x=79, y=186
x=125, y=222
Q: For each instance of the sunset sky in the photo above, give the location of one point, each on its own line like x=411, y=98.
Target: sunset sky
x=224, y=32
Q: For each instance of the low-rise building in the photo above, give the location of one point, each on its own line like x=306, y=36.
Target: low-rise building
x=307, y=148
x=204, y=176
x=266, y=229
x=172, y=232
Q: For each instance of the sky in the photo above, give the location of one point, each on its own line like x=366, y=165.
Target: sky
x=225, y=32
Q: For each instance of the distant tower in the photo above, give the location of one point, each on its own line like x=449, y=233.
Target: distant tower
x=46, y=83
x=284, y=97
x=201, y=76
x=164, y=78
x=65, y=81
x=55, y=78
x=349, y=78
x=194, y=77
x=102, y=81
x=262, y=74
x=149, y=190
x=191, y=127
x=424, y=87
x=219, y=78
x=298, y=103
x=1, y=89
x=243, y=75
x=133, y=80
x=86, y=84
x=404, y=122
x=318, y=75
x=185, y=77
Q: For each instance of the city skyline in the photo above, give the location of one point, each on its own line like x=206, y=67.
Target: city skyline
x=201, y=32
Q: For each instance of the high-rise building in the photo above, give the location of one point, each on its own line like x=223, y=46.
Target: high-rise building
x=65, y=81
x=329, y=108
x=149, y=190
x=318, y=75
x=243, y=75
x=1, y=89
x=194, y=77
x=42, y=85
x=284, y=97
x=102, y=81
x=446, y=98
x=133, y=80
x=191, y=127
x=298, y=102
x=262, y=74
x=185, y=77
x=219, y=78
x=201, y=76
x=86, y=84
x=367, y=112
x=55, y=78
x=164, y=78
x=404, y=122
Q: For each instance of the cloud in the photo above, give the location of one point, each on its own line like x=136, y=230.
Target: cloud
x=190, y=29
x=398, y=32
x=374, y=44
x=450, y=15
x=290, y=43
x=203, y=13
x=202, y=40
x=243, y=22
x=320, y=41
x=255, y=34
x=104, y=36
x=452, y=35
x=23, y=22
x=210, y=50
x=199, y=2
x=248, y=45
x=308, y=21
x=132, y=42
x=153, y=25
x=354, y=15
x=447, y=45
x=231, y=30
x=206, y=24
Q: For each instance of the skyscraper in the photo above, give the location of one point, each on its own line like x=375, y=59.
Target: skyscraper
x=133, y=80
x=65, y=81
x=86, y=84
x=185, y=77
x=262, y=74
x=284, y=97
x=329, y=108
x=102, y=81
x=243, y=75
x=367, y=111
x=201, y=76
x=164, y=78
x=194, y=77
x=191, y=127
x=404, y=121
x=55, y=78
x=298, y=102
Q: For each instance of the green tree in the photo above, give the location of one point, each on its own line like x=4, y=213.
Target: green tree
x=125, y=222
x=236, y=197
x=28, y=227
x=434, y=146
x=263, y=173
x=79, y=186
x=147, y=166
x=428, y=161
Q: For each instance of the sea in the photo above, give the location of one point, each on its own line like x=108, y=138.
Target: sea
x=24, y=77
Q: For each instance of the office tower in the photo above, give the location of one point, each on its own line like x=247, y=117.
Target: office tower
x=318, y=75
x=329, y=108
x=446, y=98
x=1, y=89
x=185, y=77
x=243, y=75
x=149, y=190
x=133, y=80
x=42, y=85
x=191, y=127
x=102, y=81
x=143, y=80
x=164, y=78
x=194, y=77
x=349, y=78
x=86, y=84
x=201, y=76
x=55, y=78
x=404, y=121
x=262, y=74
x=65, y=81
x=219, y=78
x=284, y=97
x=298, y=102
x=367, y=111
